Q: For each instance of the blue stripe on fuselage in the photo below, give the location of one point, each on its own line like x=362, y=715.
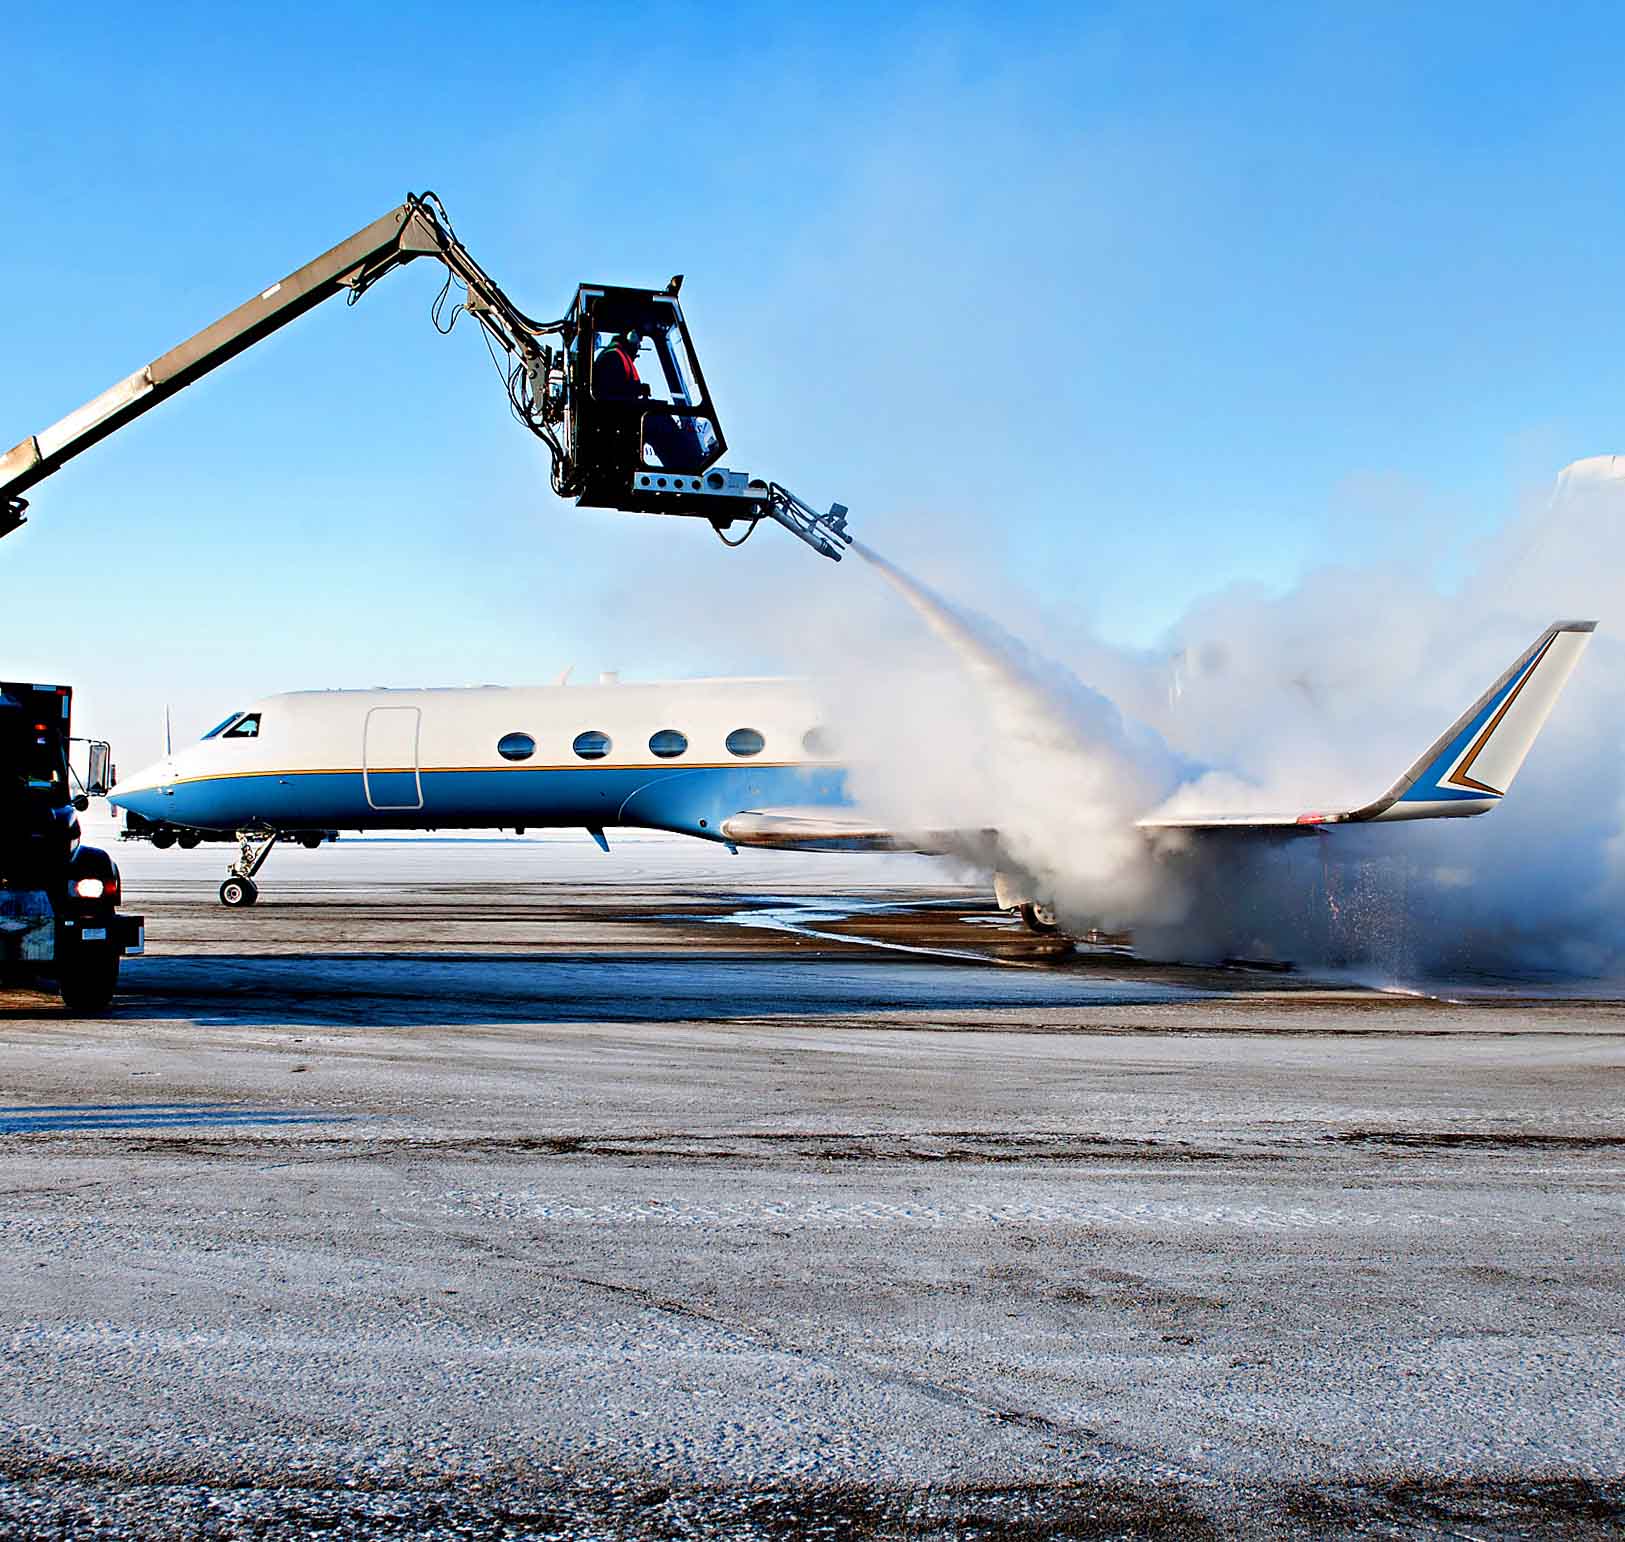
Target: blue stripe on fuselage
x=691, y=801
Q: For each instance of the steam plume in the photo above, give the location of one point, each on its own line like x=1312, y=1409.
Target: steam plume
x=1319, y=696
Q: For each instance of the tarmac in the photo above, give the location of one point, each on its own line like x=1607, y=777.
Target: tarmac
x=507, y=1189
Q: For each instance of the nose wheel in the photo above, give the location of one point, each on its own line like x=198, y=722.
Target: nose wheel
x=239, y=892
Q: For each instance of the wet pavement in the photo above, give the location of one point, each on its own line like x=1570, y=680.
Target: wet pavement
x=599, y=988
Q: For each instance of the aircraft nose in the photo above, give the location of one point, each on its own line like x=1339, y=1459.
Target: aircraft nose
x=141, y=791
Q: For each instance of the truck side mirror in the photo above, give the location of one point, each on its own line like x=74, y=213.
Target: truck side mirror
x=99, y=774
x=81, y=802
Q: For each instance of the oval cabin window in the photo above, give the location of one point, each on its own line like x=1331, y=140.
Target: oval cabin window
x=668, y=743
x=592, y=745
x=516, y=746
x=745, y=741
x=817, y=741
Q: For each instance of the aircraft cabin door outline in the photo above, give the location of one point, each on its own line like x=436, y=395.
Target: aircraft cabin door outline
x=389, y=758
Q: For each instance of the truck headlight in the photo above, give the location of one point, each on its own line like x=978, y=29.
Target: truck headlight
x=94, y=888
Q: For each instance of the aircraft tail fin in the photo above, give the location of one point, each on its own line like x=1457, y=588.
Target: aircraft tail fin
x=1470, y=766
x=1466, y=770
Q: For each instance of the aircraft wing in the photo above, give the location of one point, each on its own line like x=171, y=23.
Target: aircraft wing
x=1466, y=770
x=1283, y=824
x=822, y=829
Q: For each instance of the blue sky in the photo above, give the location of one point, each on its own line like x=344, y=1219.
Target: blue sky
x=1101, y=307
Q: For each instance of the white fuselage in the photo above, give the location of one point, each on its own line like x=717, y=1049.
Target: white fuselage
x=680, y=756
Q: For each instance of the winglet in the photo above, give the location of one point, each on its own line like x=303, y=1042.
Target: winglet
x=1470, y=766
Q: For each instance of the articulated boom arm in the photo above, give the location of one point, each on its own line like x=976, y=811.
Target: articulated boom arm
x=543, y=384
x=417, y=228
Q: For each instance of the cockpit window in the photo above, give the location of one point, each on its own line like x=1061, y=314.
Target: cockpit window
x=246, y=727
x=222, y=725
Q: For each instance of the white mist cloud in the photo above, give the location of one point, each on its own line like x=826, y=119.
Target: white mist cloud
x=1318, y=697
x=1042, y=775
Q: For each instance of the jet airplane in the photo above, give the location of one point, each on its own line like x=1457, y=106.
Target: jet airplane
x=743, y=762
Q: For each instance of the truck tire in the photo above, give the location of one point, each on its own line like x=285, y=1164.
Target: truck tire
x=88, y=983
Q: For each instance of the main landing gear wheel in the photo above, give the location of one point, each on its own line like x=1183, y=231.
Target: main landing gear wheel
x=239, y=891
x=1038, y=918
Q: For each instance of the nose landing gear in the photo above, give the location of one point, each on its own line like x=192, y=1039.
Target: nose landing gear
x=239, y=890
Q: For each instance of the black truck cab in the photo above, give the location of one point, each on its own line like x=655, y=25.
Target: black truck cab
x=59, y=898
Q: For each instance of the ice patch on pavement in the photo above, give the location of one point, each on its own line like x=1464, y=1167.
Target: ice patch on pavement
x=83, y=1118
